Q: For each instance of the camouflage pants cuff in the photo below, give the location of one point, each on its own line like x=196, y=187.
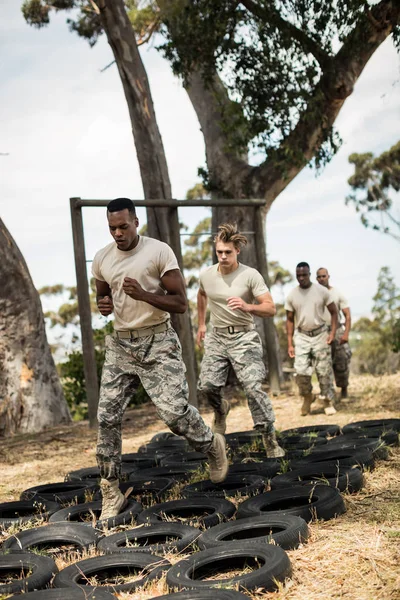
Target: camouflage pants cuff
x=109, y=470
x=267, y=428
x=304, y=384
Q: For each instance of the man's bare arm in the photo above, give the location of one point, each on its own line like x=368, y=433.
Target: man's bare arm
x=174, y=301
x=265, y=306
x=201, y=315
x=104, y=298
x=334, y=320
x=290, y=332
x=347, y=325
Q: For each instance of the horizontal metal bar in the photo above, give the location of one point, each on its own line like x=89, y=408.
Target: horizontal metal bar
x=79, y=202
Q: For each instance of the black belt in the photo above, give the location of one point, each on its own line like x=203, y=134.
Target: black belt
x=313, y=332
x=233, y=328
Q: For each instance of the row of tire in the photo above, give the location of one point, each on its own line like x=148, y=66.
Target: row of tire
x=279, y=515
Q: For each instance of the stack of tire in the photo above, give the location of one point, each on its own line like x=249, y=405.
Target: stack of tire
x=276, y=499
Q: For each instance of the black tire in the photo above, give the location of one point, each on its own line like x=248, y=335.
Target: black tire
x=234, y=485
x=249, y=435
x=345, y=479
x=26, y=511
x=41, y=569
x=162, y=436
x=176, y=444
x=301, y=442
x=205, y=512
x=383, y=424
x=61, y=492
x=287, y=531
x=190, y=572
x=70, y=594
x=82, y=513
x=266, y=469
x=349, y=458
x=376, y=445
x=389, y=437
x=146, y=488
x=92, y=474
x=138, y=461
x=182, y=473
x=322, y=430
x=178, y=458
x=321, y=502
x=54, y=534
x=204, y=595
x=136, y=562
x=159, y=538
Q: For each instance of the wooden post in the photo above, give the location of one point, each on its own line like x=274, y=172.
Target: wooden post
x=272, y=346
x=85, y=314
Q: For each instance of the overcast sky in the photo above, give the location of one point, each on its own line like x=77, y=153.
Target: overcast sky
x=66, y=128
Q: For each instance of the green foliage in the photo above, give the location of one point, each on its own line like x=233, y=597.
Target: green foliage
x=373, y=181
x=376, y=342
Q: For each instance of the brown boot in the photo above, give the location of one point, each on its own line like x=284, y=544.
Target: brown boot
x=219, y=421
x=113, y=499
x=306, y=406
x=217, y=459
x=272, y=448
x=329, y=407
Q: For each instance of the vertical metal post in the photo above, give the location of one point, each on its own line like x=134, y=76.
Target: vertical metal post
x=85, y=314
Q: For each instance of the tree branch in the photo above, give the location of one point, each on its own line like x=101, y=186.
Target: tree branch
x=272, y=177
x=309, y=45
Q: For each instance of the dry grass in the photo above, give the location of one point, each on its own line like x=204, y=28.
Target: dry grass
x=355, y=557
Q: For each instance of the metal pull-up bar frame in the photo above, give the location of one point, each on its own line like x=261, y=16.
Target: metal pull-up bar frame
x=85, y=314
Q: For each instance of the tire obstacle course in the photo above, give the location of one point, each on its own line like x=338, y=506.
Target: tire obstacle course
x=240, y=547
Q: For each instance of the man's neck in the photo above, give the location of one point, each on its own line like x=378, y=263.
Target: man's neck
x=226, y=270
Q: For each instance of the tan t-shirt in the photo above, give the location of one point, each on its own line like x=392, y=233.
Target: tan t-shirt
x=308, y=306
x=147, y=263
x=245, y=282
x=340, y=301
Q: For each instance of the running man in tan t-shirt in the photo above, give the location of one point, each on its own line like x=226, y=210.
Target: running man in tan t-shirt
x=235, y=293
x=310, y=344
x=138, y=279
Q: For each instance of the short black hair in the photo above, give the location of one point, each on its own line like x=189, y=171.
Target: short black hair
x=302, y=264
x=120, y=204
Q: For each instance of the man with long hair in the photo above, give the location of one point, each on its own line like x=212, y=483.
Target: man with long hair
x=235, y=293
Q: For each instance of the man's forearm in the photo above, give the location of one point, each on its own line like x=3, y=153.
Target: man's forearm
x=262, y=310
x=172, y=303
x=290, y=331
x=201, y=309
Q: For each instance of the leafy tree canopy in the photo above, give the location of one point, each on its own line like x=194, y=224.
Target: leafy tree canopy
x=376, y=186
x=277, y=58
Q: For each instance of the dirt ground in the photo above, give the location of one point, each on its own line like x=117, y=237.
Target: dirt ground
x=355, y=556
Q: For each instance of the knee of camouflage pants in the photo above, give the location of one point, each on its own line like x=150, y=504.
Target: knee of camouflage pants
x=304, y=384
x=212, y=394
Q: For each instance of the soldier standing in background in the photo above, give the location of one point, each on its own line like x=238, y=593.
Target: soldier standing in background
x=310, y=344
x=138, y=278
x=235, y=293
x=341, y=352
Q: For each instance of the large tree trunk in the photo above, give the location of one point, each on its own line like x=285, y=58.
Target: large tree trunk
x=31, y=397
x=233, y=168
x=163, y=223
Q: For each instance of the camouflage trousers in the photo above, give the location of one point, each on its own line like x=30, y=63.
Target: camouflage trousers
x=156, y=362
x=341, y=356
x=313, y=353
x=242, y=351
